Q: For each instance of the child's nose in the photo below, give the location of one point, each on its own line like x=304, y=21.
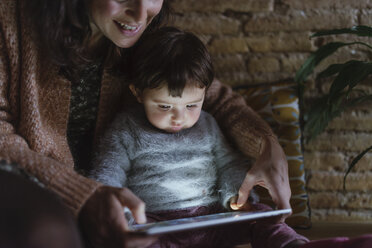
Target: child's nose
x=178, y=115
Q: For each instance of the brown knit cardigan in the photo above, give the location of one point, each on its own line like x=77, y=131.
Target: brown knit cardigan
x=34, y=111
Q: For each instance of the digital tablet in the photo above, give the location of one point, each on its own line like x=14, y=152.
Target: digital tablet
x=176, y=225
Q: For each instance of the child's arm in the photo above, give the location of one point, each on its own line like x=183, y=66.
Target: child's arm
x=254, y=138
x=111, y=161
x=231, y=168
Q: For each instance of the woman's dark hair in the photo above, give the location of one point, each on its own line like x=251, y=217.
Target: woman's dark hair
x=63, y=26
x=172, y=57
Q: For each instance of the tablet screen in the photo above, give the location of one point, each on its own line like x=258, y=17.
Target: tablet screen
x=175, y=225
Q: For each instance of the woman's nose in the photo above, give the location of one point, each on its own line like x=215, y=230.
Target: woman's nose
x=138, y=10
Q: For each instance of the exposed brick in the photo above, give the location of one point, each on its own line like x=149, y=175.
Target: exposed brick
x=359, y=181
x=281, y=42
x=352, y=121
x=228, y=45
x=366, y=106
x=349, y=200
x=365, y=18
x=329, y=4
x=263, y=65
x=355, y=142
x=204, y=38
x=292, y=62
x=325, y=161
x=362, y=215
x=231, y=69
x=340, y=215
x=181, y=6
x=326, y=200
x=229, y=63
x=342, y=38
x=208, y=24
x=358, y=200
x=321, y=181
x=267, y=77
x=330, y=215
x=301, y=20
x=235, y=78
x=364, y=164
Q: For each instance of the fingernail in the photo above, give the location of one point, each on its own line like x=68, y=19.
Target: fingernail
x=142, y=220
x=234, y=207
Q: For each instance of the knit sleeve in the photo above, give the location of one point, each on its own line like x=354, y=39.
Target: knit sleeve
x=241, y=125
x=58, y=177
x=232, y=166
x=111, y=161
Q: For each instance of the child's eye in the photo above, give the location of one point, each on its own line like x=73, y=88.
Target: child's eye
x=164, y=107
x=191, y=106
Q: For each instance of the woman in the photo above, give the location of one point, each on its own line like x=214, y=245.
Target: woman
x=59, y=90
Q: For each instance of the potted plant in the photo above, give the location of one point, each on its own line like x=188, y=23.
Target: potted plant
x=342, y=93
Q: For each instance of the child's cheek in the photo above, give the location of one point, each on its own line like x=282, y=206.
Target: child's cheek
x=196, y=115
x=158, y=119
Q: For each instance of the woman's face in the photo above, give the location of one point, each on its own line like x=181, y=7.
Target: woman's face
x=123, y=21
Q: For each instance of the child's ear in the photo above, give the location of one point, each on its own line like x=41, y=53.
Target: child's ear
x=135, y=92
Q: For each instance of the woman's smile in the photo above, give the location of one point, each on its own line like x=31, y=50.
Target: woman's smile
x=123, y=22
x=128, y=29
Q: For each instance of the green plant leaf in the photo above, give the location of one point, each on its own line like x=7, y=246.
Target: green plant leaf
x=326, y=109
x=363, y=98
x=357, y=30
x=354, y=162
x=332, y=70
x=316, y=57
x=350, y=75
x=320, y=114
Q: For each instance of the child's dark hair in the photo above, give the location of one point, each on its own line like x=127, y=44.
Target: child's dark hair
x=172, y=57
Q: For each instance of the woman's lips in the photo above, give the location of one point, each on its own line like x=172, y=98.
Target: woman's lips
x=128, y=29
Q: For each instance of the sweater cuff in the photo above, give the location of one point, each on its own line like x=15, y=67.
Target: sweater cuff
x=226, y=200
x=73, y=189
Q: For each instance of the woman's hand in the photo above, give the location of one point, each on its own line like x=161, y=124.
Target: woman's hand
x=103, y=222
x=270, y=171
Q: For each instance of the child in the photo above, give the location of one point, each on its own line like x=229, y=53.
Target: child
x=171, y=154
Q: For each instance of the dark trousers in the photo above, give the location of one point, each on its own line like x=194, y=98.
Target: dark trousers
x=32, y=217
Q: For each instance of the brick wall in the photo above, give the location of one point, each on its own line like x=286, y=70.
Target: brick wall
x=265, y=41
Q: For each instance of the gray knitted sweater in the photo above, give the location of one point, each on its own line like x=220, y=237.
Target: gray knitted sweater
x=194, y=167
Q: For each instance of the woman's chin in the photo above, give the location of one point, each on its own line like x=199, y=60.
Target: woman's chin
x=129, y=42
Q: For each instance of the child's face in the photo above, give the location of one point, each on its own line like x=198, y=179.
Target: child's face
x=172, y=114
